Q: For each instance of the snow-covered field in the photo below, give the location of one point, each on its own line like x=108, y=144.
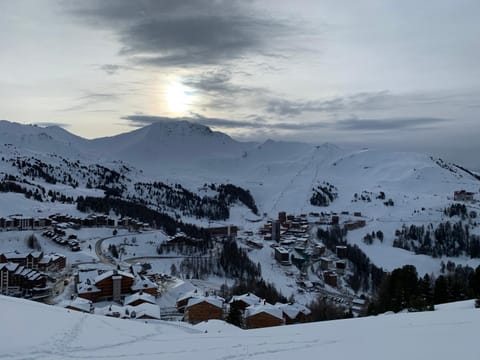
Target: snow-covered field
x=35, y=331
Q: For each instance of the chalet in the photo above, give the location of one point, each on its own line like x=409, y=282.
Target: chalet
x=16, y=279
x=81, y=304
x=36, y=260
x=263, y=315
x=203, y=308
x=319, y=249
x=282, y=217
x=294, y=313
x=330, y=278
x=182, y=301
x=463, y=195
x=52, y=262
x=282, y=255
x=325, y=263
x=109, y=285
x=143, y=311
x=352, y=225
x=241, y=302
x=340, y=266
x=144, y=284
x=341, y=251
x=357, y=214
x=139, y=298
x=29, y=260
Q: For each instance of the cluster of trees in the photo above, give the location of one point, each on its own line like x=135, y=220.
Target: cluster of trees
x=196, y=267
x=186, y=246
x=365, y=275
x=389, y=202
x=259, y=287
x=459, y=210
x=404, y=289
x=140, y=212
x=236, y=264
x=370, y=237
x=229, y=194
x=446, y=240
x=182, y=200
x=323, y=194
x=324, y=310
x=232, y=262
x=35, y=168
x=367, y=197
x=364, y=196
x=187, y=203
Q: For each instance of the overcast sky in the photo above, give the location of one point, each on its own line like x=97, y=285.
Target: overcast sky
x=398, y=74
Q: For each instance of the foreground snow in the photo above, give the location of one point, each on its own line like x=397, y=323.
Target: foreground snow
x=36, y=331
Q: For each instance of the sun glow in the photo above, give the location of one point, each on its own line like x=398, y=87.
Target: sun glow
x=179, y=98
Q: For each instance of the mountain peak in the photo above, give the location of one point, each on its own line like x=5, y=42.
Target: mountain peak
x=178, y=127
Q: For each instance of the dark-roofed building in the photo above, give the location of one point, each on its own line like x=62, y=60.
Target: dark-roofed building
x=241, y=302
x=204, y=308
x=263, y=315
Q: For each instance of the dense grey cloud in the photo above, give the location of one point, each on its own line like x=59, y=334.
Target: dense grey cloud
x=388, y=124
x=183, y=33
x=254, y=125
x=342, y=125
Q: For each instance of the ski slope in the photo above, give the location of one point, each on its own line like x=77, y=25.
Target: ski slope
x=35, y=331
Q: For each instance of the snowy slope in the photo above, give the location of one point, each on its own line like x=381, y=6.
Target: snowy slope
x=35, y=331
x=164, y=143
x=36, y=139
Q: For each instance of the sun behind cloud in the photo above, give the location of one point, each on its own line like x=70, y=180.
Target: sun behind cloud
x=179, y=98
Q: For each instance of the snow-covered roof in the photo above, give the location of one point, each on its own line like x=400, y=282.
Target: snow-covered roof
x=213, y=300
x=107, y=274
x=10, y=266
x=145, y=309
x=139, y=296
x=142, y=282
x=248, y=298
x=50, y=257
x=253, y=310
x=84, y=288
x=188, y=295
x=293, y=310
x=132, y=312
x=282, y=250
x=81, y=304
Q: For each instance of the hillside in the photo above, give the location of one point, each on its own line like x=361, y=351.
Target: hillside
x=36, y=331
x=197, y=176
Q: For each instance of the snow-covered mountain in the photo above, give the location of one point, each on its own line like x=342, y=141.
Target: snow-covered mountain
x=166, y=165
x=36, y=331
x=164, y=144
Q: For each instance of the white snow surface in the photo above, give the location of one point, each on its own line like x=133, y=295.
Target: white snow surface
x=36, y=331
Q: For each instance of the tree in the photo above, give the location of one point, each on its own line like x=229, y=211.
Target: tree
x=235, y=316
x=32, y=242
x=173, y=270
x=380, y=235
